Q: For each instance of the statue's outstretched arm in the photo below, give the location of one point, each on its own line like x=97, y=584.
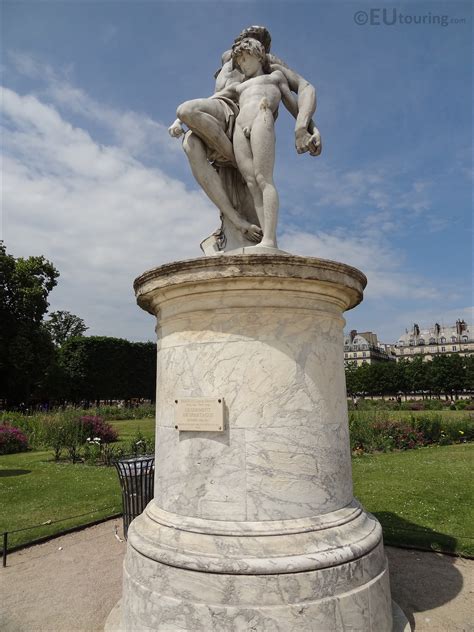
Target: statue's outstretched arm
x=288, y=99
x=307, y=136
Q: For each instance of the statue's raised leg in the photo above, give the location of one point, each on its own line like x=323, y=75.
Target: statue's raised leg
x=208, y=178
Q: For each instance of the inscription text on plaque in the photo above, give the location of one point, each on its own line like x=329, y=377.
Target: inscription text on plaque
x=201, y=414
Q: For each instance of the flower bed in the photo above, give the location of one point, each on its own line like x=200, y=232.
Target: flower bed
x=12, y=440
x=372, y=431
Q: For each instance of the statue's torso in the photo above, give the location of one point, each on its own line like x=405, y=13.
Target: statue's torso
x=257, y=93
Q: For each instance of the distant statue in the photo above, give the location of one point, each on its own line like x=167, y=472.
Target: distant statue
x=233, y=168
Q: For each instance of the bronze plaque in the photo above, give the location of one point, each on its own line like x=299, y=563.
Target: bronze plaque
x=199, y=414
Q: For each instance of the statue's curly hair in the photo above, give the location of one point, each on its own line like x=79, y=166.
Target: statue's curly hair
x=253, y=47
x=260, y=33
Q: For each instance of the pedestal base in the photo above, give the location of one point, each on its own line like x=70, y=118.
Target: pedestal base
x=114, y=621
x=323, y=574
x=254, y=527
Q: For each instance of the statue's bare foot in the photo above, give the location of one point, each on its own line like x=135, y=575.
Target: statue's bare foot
x=268, y=243
x=254, y=233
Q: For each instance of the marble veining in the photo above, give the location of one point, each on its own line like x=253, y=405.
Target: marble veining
x=254, y=527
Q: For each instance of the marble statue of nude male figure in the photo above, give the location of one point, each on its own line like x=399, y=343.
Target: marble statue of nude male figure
x=208, y=143
x=259, y=96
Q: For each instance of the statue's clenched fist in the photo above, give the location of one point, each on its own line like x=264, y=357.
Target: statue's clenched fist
x=176, y=130
x=306, y=141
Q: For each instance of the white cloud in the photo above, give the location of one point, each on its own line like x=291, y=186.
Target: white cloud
x=96, y=211
x=137, y=133
x=103, y=216
x=378, y=197
x=374, y=257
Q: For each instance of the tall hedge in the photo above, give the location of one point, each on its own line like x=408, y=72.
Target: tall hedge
x=103, y=368
x=445, y=374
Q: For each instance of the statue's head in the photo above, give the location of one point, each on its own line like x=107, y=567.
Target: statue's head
x=252, y=48
x=260, y=33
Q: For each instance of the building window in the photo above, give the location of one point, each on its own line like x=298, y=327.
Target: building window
x=443, y=348
x=453, y=339
x=454, y=349
x=355, y=355
x=421, y=341
x=443, y=340
x=364, y=354
x=432, y=341
x=464, y=338
x=401, y=351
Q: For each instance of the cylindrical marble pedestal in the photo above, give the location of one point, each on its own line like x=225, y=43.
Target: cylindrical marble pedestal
x=254, y=527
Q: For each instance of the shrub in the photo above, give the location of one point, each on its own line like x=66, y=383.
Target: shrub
x=459, y=430
x=433, y=404
x=376, y=430
x=12, y=440
x=141, y=444
x=429, y=426
x=32, y=426
x=399, y=435
x=67, y=431
x=61, y=433
x=97, y=453
x=141, y=411
x=95, y=427
x=416, y=406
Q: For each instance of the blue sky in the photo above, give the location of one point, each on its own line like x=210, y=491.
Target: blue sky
x=92, y=180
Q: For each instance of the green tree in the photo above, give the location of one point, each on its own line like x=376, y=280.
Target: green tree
x=416, y=375
x=469, y=372
x=26, y=348
x=102, y=368
x=64, y=325
x=364, y=380
x=352, y=386
x=448, y=374
x=402, y=377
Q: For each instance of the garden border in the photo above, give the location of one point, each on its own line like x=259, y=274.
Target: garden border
x=52, y=536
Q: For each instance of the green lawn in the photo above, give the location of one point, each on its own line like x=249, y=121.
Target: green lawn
x=422, y=497
x=128, y=428
x=34, y=489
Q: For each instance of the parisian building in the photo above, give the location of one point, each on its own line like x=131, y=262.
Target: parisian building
x=364, y=348
x=436, y=340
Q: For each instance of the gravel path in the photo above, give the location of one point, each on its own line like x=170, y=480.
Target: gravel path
x=71, y=583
